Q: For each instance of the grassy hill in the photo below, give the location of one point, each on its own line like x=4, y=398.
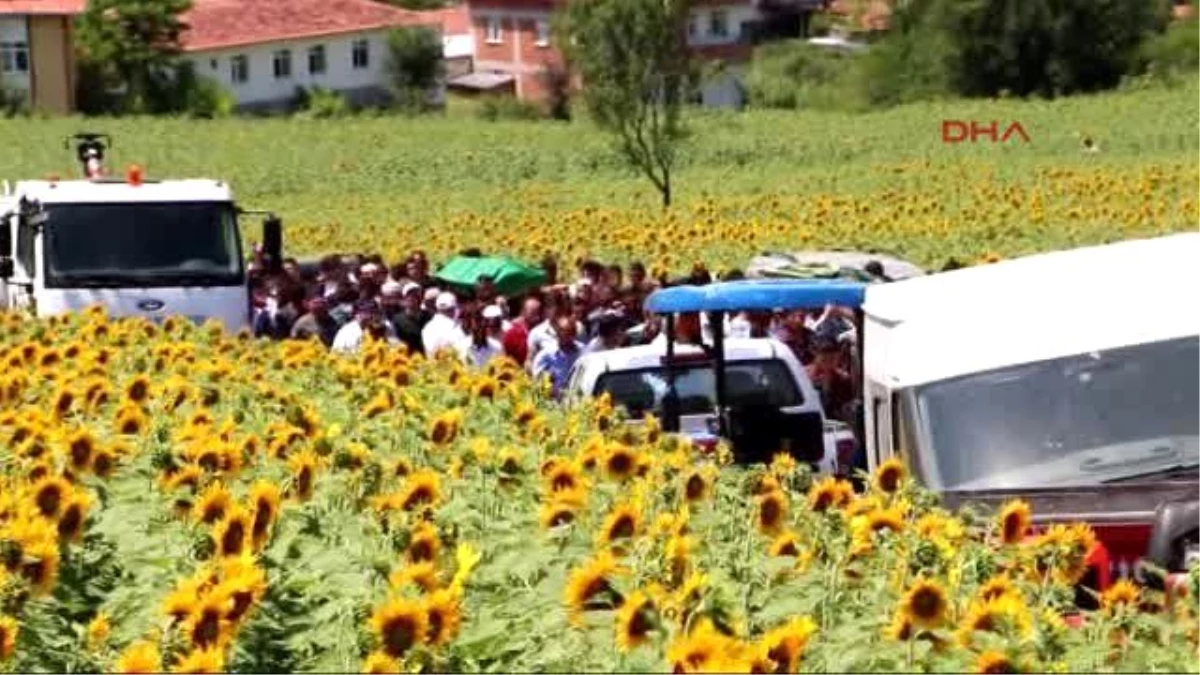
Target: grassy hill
x=748, y=181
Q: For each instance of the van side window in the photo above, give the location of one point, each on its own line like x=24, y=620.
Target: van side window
x=26, y=259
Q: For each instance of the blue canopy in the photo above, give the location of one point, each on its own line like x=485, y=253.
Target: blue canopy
x=757, y=294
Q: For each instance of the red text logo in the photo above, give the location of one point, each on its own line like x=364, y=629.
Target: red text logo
x=957, y=131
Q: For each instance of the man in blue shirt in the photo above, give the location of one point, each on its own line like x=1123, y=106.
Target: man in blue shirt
x=557, y=360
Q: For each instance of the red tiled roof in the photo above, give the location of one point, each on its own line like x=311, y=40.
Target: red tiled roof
x=455, y=20
x=875, y=15
x=215, y=24
x=42, y=6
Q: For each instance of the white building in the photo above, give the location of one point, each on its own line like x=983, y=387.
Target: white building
x=265, y=51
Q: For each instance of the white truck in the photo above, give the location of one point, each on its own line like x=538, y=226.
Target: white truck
x=138, y=247
x=757, y=369
x=1067, y=379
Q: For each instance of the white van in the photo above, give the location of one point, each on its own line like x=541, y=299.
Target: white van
x=759, y=371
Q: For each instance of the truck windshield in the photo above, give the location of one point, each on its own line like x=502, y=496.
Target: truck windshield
x=767, y=382
x=112, y=245
x=1080, y=420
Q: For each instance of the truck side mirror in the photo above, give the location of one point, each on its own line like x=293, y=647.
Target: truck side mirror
x=272, y=236
x=1175, y=541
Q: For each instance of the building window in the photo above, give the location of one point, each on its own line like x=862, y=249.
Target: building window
x=718, y=23
x=543, y=33
x=360, y=54
x=283, y=64
x=693, y=28
x=316, y=60
x=495, y=34
x=14, y=57
x=212, y=63
x=239, y=69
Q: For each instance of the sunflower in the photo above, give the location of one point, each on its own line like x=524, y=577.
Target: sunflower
x=997, y=587
x=900, y=629
x=925, y=603
x=138, y=389
x=635, y=619
x=786, y=644
x=98, y=630
x=829, y=493
x=444, y=614
x=423, y=545
x=786, y=544
x=772, y=511
x=1122, y=594
x=1005, y=614
x=704, y=649
x=698, y=483
x=232, y=533
x=444, y=428
x=207, y=626
x=589, y=586
x=265, y=497
x=244, y=585
x=624, y=522
x=563, y=476
x=889, y=475
x=213, y=504
x=620, y=461
x=557, y=512
x=211, y=660
x=379, y=663
x=104, y=462
x=80, y=446
x=9, y=629
x=379, y=404
x=423, y=575
x=421, y=488
x=891, y=519
x=130, y=420
x=994, y=662
x=1014, y=520
x=304, y=468
x=400, y=624
x=74, y=513
x=49, y=495
x=64, y=398
x=40, y=567
x=140, y=657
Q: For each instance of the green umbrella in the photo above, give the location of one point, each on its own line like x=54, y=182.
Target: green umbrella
x=510, y=277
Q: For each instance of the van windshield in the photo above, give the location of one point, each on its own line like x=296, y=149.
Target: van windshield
x=758, y=382
x=115, y=245
x=1080, y=420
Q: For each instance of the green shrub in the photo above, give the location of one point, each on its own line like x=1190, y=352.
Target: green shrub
x=795, y=74
x=500, y=107
x=322, y=103
x=1173, y=53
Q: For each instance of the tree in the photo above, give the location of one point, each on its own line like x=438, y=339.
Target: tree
x=134, y=45
x=414, y=65
x=633, y=59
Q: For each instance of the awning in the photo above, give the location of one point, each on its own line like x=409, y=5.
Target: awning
x=483, y=81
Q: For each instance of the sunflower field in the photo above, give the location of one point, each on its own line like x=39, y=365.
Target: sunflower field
x=175, y=498
x=747, y=181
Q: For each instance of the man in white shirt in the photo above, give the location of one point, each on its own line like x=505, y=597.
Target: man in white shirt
x=543, y=336
x=480, y=347
x=368, y=320
x=442, y=331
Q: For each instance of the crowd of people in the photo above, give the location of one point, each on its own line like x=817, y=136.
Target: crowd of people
x=343, y=299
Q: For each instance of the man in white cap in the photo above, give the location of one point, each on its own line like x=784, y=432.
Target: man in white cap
x=480, y=347
x=493, y=317
x=442, y=331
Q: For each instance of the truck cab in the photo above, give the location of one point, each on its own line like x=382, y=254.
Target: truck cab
x=1066, y=379
x=137, y=247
